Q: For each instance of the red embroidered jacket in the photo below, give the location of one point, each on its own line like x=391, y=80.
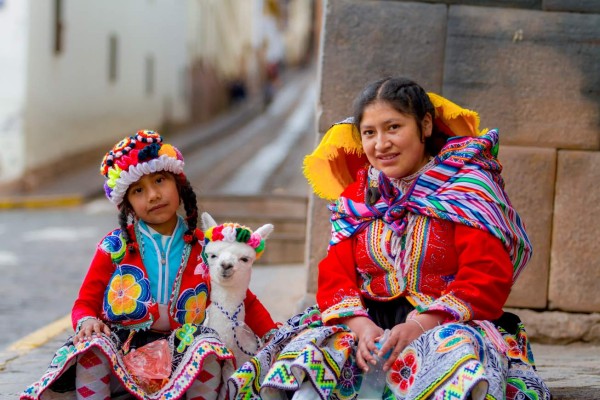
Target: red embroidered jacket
x=452, y=268
x=113, y=269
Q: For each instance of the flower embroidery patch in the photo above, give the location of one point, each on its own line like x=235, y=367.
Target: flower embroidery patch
x=403, y=371
x=128, y=294
x=185, y=334
x=114, y=244
x=191, y=305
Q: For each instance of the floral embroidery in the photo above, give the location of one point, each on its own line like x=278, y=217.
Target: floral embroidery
x=516, y=388
x=201, y=269
x=343, y=341
x=115, y=245
x=311, y=318
x=191, y=305
x=127, y=295
x=185, y=334
x=350, y=380
x=518, y=347
x=62, y=355
x=402, y=373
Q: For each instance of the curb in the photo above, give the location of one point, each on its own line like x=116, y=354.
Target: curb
x=41, y=201
x=34, y=340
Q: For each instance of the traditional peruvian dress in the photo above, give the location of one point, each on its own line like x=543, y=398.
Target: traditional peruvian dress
x=446, y=240
x=121, y=289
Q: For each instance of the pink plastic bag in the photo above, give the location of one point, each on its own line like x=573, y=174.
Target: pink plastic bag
x=150, y=364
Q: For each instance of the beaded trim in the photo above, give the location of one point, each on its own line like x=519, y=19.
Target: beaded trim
x=235, y=322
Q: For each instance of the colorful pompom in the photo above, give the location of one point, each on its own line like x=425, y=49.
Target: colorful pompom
x=233, y=232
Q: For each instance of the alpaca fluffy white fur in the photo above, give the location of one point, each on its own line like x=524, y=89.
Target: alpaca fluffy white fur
x=230, y=268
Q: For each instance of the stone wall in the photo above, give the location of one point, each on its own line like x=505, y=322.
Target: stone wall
x=531, y=69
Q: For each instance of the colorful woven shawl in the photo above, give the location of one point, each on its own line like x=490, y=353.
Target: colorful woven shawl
x=464, y=186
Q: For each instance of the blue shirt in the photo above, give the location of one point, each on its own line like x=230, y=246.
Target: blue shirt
x=162, y=258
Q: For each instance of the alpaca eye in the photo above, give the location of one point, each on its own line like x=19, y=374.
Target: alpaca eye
x=245, y=259
x=212, y=256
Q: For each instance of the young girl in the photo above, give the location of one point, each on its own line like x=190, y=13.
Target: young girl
x=425, y=244
x=146, y=291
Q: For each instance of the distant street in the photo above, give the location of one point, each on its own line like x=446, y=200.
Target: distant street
x=44, y=253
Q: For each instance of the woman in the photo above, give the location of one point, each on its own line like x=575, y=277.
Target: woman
x=424, y=243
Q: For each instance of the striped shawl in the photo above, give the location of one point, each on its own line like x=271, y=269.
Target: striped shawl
x=464, y=186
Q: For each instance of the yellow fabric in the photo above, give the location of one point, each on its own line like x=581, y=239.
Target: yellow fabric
x=332, y=166
x=460, y=121
x=326, y=168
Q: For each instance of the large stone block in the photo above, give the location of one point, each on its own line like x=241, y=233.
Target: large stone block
x=574, y=327
x=492, y=3
x=318, y=239
x=533, y=74
x=366, y=40
x=529, y=175
x=575, y=265
x=584, y=6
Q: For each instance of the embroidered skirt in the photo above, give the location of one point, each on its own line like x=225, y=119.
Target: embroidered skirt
x=451, y=361
x=192, y=347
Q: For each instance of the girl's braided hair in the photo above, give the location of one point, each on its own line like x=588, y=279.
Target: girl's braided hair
x=187, y=197
x=406, y=97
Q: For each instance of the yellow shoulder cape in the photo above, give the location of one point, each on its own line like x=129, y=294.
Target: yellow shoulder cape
x=332, y=166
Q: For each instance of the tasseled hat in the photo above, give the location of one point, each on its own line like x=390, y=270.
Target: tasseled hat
x=334, y=163
x=135, y=156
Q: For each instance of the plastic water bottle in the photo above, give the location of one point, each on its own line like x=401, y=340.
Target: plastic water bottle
x=373, y=381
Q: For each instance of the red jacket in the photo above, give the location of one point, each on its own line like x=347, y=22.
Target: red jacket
x=138, y=310
x=452, y=268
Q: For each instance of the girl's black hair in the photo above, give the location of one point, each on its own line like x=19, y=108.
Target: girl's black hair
x=190, y=205
x=405, y=96
x=187, y=197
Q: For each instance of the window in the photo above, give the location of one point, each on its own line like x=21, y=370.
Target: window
x=58, y=26
x=113, y=48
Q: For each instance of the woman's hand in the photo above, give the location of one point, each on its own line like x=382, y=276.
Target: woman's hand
x=367, y=333
x=90, y=328
x=402, y=334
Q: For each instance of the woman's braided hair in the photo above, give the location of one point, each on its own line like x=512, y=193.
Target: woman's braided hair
x=404, y=96
x=187, y=197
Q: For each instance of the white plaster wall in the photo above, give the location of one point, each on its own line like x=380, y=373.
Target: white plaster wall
x=222, y=33
x=297, y=35
x=13, y=59
x=72, y=106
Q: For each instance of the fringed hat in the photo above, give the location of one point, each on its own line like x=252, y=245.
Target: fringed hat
x=333, y=165
x=135, y=156
x=234, y=232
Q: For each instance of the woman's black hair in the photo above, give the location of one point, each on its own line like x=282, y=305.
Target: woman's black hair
x=190, y=205
x=404, y=96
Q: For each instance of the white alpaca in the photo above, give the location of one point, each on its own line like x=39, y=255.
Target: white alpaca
x=230, y=267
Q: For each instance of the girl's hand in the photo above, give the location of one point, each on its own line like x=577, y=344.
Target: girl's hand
x=367, y=333
x=402, y=335
x=90, y=328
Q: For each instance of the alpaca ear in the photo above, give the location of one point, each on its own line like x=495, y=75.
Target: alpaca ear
x=264, y=231
x=207, y=221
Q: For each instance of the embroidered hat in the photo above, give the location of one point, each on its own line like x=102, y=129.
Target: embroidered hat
x=334, y=163
x=234, y=232
x=135, y=156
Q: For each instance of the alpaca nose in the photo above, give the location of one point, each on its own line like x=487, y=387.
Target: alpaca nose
x=227, y=266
